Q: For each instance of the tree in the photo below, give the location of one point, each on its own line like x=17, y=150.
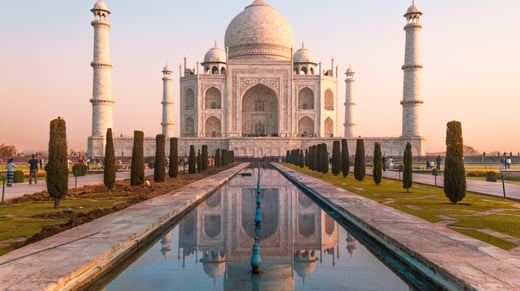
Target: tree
x=7, y=150
x=192, y=161
x=110, y=169
x=336, y=158
x=159, y=172
x=359, y=161
x=57, y=167
x=173, y=165
x=454, y=172
x=319, y=156
x=324, y=159
x=407, y=169
x=205, y=157
x=199, y=161
x=137, y=168
x=345, y=160
x=377, y=171
x=302, y=159
x=218, y=160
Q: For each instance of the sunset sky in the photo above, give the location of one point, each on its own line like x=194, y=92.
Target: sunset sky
x=470, y=50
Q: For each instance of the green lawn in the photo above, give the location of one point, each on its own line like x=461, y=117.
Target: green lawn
x=471, y=214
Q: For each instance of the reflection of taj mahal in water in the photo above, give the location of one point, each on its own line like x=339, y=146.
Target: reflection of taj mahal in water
x=295, y=233
x=258, y=96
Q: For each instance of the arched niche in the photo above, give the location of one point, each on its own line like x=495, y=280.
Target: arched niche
x=306, y=126
x=306, y=99
x=212, y=98
x=329, y=100
x=329, y=127
x=189, y=98
x=189, y=127
x=260, y=112
x=213, y=127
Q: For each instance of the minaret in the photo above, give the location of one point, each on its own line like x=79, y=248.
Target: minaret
x=412, y=67
x=102, y=89
x=350, y=125
x=167, y=103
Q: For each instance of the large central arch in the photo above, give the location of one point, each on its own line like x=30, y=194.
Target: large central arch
x=260, y=115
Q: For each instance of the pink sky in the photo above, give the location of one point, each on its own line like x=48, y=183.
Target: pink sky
x=469, y=52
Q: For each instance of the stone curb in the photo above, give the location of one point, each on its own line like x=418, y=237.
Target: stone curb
x=72, y=258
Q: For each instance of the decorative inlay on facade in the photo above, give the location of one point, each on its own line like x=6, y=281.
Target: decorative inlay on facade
x=246, y=83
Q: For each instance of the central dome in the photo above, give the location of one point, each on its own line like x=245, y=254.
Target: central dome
x=259, y=31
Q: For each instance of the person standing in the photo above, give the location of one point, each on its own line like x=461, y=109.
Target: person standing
x=439, y=160
x=33, y=169
x=10, y=172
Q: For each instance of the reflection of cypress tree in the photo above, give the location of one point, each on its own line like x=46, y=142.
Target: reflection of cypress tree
x=345, y=160
x=137, y=169
x=192, y=161
x=359, y=162
x=302, y=159
x=57, y=167
x=336, y=158
x=407, y=171
x=109, y=171
x=173, y=169
x=454, y=173
x=160, y=158
x=377, y=172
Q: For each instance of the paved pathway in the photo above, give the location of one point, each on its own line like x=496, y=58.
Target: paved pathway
x=481, y=187
x=20, y=189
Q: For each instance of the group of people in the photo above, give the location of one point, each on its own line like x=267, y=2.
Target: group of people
x=506, y=162
x=34, y=166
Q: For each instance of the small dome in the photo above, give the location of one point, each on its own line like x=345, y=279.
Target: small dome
x=215, y=55
x=100, y=5
x=303, y=55
x=167, y=68
x=413, y=10
x=259, y=30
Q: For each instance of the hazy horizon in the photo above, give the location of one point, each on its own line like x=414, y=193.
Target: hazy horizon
x=468, y=49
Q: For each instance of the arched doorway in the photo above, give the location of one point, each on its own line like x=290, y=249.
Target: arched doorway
x=306, y=127
x=329, y=127
x=260, y=112
x=213, y=127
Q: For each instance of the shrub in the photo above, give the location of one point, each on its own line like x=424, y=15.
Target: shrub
x=491, y=176
x=192, y=161
x=407, y=171
x=159, y=171
x=377, y=171
x=173, y=166
x=336, y=158
x=110, y=169
x=359, y=162
x=79, y=170
x=150, y=161
x=18, y=176
x=57, y=165
x=345, y=160
x=204, y=157
x=454, y=173
x=137, y=168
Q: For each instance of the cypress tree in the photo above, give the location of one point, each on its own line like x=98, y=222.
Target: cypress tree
x=377, y=172
x=319, y=156
x=57, y=167
x=306, y=158
x=407, y=170
x=159, y=172
x=199, y=161
x=359, y=162
x=137, y=168
x=192, y=161
x=302, y=159
x=314, y=158
x=224, y=157
x=345, y=160
x=336, y=158
x=218, y=161
x=109, y=172
x=454, y=172
x=324, y=159
x=173, y=166
x=205, y=157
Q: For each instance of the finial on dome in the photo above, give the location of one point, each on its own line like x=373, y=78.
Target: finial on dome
x=215, y=43
x=303, y=44
x=258, y=3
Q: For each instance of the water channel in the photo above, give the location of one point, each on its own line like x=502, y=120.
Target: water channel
x=297, y=244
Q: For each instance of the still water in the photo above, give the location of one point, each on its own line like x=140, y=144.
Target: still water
x=301, y=247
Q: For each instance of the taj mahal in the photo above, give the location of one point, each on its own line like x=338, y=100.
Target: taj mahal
x=258, y=95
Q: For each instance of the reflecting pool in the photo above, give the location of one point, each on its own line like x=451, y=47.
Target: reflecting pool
x=300, y=246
